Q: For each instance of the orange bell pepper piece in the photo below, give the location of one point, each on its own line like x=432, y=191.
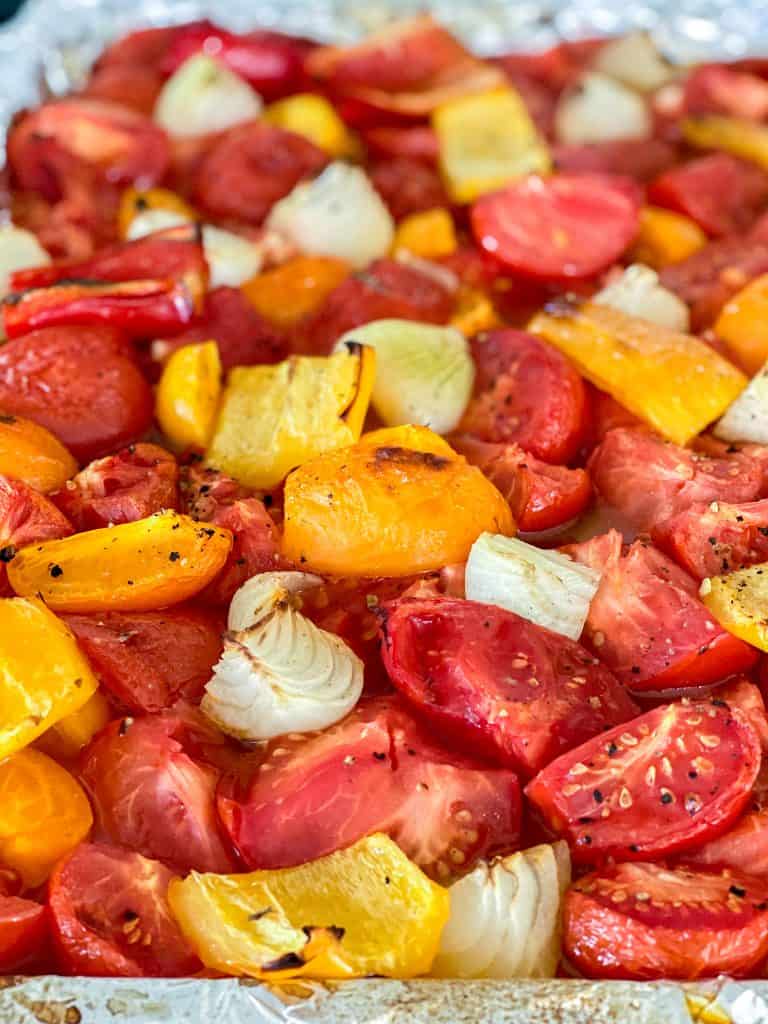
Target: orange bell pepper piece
x=288, y=293
x=140, y=566
x=31, y=453
x=665, y=237
x=188, y=394
x=737, y=136
x=379, y=507
x=675, y=382
x=428, y=234
x=67, y=738
x=44, y=813
x=474, y=312
x=743, y=324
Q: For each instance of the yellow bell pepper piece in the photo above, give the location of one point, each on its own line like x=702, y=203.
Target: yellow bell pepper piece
x=738, y=600
x=378, y=508
x=67, y=738
x=474, y=312
x=428, y=234
x=486, y=140
x=675, y=382
x=316, y=119
x=44, y=814
x=665, y=237
x=134, y=201
x=31, y=453
x=363, y=910
x=274, y=418
x=742, y=325
x=292, y=291
x=188, y=395
x=734, y=135
x=148, y=564
x=44, y=676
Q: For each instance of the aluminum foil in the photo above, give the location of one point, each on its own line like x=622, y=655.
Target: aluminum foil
x=47, y=50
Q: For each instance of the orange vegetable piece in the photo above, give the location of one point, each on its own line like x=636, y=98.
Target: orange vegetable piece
x=474, y=312
x=136, y=200
x=743, y=324
x=398, y=502
x=288, y=293
x=67, y=738
x=44, y=814
x=665, y=237
x=31, y=453
x=188, y=394
x=428, y=234
x=140, y=566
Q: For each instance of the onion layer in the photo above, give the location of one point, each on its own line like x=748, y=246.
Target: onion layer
x=637, y=292
x=202, y=97
x=746, y=419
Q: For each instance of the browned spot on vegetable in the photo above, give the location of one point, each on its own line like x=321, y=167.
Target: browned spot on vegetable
x=409, y=457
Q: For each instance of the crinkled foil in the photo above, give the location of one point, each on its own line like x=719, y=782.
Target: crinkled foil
x=47, y=50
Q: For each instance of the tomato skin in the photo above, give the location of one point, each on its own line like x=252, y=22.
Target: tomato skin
x=251, y=167
x=80, y=383
x=541, y=496
x=25, y=518
x=461, y=663
x=526, y=393
x=133, y=483
x=641, y=159
x=679, y=923
x=145, y=47
x=719, y=89
x=384, y=289
x=418, y=142
x=710, y=539
x=151, y=796
x=314, y=796
x=93, y=894
x=23, y=933
x=566, y=227
x=647, y=624
x=127, y=85
x=650, y=480
x=699, y=786
x=147, y=660
x=255, y=548
x=243, y=337
x=408, y=185
x=721, y=193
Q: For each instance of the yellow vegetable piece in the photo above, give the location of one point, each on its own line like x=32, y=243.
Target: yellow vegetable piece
x=739, y=601
x=363, y=910
x=675, y=382
x=316, y=119
x=188, y=395
x=734, y=135
x=136, y=200
x=665, y=237
x=379, y=507
x=486, y=140
x=44, y=813
x=274, y=418
x=31, y=453
x=44, y=676
x=428, y=234
x=151, y=563
x=295, y=289
x=742, y=325
x=474, y=312
x=67, y=738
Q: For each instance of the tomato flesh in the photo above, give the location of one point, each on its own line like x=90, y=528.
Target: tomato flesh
x=408, y=185
x=663, y=783
x=26, y=517
x=710, y=539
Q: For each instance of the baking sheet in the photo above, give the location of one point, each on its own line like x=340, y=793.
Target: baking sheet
x=47, y=49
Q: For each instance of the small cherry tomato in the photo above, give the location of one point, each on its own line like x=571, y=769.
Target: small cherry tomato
x=408, y=185
x=708, y=539
x=23, y=934
x=641, y=159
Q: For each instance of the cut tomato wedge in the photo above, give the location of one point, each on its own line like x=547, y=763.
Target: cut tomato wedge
x=663, y=783
x=565, y=227
x=714, y=538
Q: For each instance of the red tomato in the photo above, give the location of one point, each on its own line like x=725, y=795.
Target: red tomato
x=23, y=933
x=714, y=274
x=526, y=393
x=128, y=85
x=243, y=337
x=649, y=480
x=509, y=688
x=710, y=539
x=542, y=496
x=256, y=548
x=132, y=484
x=110, y=916
x=273, y=63
x=664, y=783
x=384, y=289
x=26, y=517
x=80, y=383
x=151, y=796
x=418, y=142
x=721, y=193
x=557, y=67
x=408, y=185
x=145, y=47
x=745, y=696
x=647, y=624
x=641, y=159
x=607, y=414
x=376, y=771
x=558, y=228
x=147, y=660
x=251, y=167
x=717, y=89
x=646, y=921
x=120, y=144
